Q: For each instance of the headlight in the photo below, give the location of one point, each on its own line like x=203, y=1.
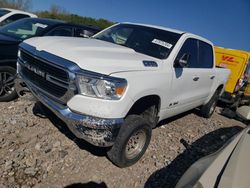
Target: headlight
x=19, y=53
x=106, y=88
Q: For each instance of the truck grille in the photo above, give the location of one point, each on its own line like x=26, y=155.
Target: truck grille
x=44, y=66
x=47, y=86
x=52, y=80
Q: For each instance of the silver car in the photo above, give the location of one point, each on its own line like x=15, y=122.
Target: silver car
x=227, y=168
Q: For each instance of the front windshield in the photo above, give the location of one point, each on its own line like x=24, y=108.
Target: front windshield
x=150, y=41
x=3, y=12
x=25, y=28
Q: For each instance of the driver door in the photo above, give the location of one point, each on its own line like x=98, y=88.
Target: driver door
x=186, y=79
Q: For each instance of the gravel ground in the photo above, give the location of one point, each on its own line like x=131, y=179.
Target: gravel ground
x=37, y=150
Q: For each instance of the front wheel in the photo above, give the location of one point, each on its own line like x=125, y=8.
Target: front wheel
x=131, y=142
x=208, y=109
x=7, y=88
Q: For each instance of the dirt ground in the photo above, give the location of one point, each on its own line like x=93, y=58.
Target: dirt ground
x=37, y=150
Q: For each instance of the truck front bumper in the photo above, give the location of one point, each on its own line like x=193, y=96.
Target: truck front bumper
x=97, y=131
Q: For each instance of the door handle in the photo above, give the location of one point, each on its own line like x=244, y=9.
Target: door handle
x=196, y=78
x=212, y=77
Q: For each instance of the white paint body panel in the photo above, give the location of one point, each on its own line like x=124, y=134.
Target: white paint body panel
x=13, y=12
x=93, y=55
x=118, y=61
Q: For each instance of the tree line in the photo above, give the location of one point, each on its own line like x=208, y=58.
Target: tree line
x=16, y=4
x=56, y=12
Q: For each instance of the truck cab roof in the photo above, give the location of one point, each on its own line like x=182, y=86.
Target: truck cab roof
x=157, y=27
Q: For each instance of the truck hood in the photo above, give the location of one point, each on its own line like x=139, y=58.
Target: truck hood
x=95, y=55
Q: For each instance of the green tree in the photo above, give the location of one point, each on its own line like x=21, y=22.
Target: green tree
x=57, y=12
x=16, y=4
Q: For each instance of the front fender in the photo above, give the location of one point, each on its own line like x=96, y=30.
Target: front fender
x=8, y=62
x=146, y=83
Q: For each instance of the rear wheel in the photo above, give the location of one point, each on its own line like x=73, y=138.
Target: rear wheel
x=7, y=88
x=131, y=142
x=208, y=109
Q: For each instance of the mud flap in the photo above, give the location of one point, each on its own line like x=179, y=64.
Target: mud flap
x=228, y=113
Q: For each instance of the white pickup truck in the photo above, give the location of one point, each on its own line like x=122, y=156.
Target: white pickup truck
x=113, y=88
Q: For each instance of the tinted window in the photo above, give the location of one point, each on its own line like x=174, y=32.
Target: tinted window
x=61, y=31
x=13, y=18
x=80, y=32
x=189, y=48
x=205, y=55
x=3, y=12
x=25, y=28
x=146, y=40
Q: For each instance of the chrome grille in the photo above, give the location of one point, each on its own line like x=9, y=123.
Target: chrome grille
x=43, y=65
x=50, y=79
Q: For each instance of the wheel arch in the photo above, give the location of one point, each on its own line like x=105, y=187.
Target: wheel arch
x=220, y=89
x=144, y=102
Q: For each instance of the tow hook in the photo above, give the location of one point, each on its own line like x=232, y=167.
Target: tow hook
x=21, y=87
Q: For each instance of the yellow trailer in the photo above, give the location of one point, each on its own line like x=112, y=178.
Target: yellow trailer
x=237, y=90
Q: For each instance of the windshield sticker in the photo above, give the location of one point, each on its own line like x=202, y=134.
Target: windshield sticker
x=41, y=25
x=162, y=43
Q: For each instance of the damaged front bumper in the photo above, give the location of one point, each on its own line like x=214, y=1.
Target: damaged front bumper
x=97, y=131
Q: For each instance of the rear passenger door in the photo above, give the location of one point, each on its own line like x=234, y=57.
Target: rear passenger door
x=206, y=68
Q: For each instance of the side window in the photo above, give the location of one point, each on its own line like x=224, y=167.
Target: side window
x=85, y=33
x=206, y=59
x=13, y=18
x=190, y=50
x=61, y=31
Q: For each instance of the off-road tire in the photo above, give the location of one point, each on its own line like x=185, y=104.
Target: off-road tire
x=150, y=115
x=10, y=96
x=133, y=124
x=207, y=110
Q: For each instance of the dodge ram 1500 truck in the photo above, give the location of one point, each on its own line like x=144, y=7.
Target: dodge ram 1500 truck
x=113, y=88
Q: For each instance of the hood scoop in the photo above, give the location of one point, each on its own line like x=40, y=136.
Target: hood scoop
x=150, y=64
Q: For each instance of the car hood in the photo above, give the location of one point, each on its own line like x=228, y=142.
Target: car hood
x=227, y=168
x=95, y=55
x=236, y=173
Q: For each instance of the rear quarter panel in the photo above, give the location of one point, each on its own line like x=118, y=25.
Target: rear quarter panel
x=221, y=78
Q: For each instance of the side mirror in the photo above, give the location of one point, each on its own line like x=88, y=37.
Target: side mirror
x=183, y=61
